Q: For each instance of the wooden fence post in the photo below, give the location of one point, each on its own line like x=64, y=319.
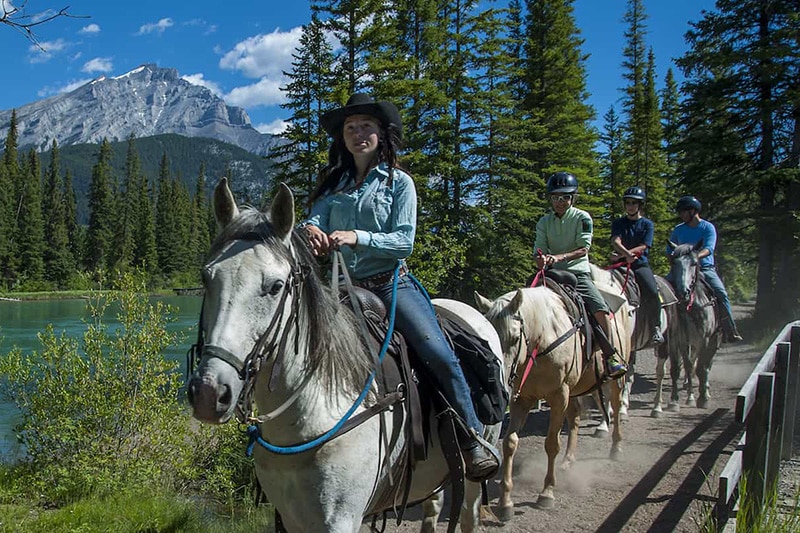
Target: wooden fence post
x=782, y=362
x=755, y=457
x=791, y=397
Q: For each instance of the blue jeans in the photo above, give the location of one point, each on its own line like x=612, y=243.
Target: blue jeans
x=713, y=279
x=416, y=320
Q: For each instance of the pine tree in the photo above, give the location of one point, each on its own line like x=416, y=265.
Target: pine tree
x=559, y=132
x=670, y=122
x=164, y=209
x=9, y=205
x=496, y=265
x=200, y=241
x=127, y=212
x=145, y=250
x=655, y=170
x=348, y=21
x=741, y=112
x=75, y=232
x=308, y=93
x=59, y=264
x=633, y=101
x=31, y=225
x=99, y=241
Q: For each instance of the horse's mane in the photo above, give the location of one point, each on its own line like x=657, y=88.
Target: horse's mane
x=335, y=349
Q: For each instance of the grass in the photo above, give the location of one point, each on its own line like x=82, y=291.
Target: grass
x=774, y=517
x=134, y=512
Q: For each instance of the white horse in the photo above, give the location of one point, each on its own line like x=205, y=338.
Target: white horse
x=273, y=330
x=539, y=335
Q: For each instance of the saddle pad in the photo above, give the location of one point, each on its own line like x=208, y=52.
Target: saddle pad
x=666, y=292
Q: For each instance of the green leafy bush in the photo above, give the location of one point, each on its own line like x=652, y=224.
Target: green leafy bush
x=104, y=411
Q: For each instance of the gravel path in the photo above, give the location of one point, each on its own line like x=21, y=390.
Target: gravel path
x=667, y=479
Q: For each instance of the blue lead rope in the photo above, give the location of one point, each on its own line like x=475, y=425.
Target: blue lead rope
x=253, y=430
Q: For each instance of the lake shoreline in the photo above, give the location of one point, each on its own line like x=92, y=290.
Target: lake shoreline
x=85, y=295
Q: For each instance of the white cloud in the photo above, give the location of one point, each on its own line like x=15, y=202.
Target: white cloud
x=266, y=92
x=45, y=50
x=71, y=86
x=275, y=127
x=98, y=64
x=159, y=27
x=90, y=29
x=198, y=79
x=263, y=55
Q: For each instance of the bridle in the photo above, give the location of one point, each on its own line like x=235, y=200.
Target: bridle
x=270, y=343
x=530, y=358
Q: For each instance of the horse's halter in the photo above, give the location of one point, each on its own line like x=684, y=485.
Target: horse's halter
x=264, y=348
x=523, y=343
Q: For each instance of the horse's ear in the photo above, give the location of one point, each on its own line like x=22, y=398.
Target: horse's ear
x=282, y=212
x=516, y=301
x=483, y=304
x=699, y=246
x=225, y=208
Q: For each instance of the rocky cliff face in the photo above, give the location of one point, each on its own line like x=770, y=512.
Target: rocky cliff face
x=146, y=101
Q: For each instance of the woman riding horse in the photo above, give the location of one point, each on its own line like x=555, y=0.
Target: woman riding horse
x=366, y=207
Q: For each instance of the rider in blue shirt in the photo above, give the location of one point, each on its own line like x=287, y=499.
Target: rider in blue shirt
x=632, y=238
x=693, y=230
x=366, y=207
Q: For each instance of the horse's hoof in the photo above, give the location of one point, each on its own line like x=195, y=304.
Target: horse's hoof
x=623, y=413
x=616, y=454
x=691, y=402
x=674, y=407
x=505, y=514
x=600, y=433
x=545, y=502
x=656, y=413
x=702, y=403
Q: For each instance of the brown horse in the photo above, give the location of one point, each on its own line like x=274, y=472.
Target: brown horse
x=530, y=321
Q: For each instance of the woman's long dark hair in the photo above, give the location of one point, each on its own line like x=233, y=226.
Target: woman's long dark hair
x=341, y=161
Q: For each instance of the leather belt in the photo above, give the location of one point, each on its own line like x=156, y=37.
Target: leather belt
x=378, y=280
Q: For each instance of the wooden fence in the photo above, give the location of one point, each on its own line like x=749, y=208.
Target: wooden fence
x=767, y=406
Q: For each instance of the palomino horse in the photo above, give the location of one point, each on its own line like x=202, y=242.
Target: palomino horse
x=696, y=337
x=273, y=332
x=531, y=321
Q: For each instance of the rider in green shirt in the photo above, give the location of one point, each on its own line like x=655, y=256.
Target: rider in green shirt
x=564, y=237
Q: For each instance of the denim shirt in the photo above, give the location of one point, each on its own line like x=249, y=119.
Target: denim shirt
x=382, y=214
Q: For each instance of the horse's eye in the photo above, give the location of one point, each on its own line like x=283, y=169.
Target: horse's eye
x=274, y=289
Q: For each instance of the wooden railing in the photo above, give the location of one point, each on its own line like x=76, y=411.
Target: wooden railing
x=766, y=405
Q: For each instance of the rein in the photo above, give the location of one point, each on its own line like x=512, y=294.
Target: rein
x=346, y=422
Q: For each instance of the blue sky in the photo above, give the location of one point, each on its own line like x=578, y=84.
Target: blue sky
x=239, y=50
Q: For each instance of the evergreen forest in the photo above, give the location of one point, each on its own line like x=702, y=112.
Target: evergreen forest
x=494, y=100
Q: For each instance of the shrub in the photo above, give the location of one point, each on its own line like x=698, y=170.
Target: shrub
x=104, y=411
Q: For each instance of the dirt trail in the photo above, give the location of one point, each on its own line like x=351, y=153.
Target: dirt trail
x=666, y=479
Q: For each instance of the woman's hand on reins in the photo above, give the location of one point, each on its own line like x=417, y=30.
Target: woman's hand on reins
x=343, y=238
x=319, y=240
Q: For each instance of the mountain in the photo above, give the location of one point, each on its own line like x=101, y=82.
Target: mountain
x=146, y=101
x=250, y=174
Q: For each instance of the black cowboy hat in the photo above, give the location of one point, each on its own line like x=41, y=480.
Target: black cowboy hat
x=361, y=104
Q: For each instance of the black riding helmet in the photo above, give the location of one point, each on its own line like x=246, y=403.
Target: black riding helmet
x=634, y=193
x=562, y=182
x=688, y=202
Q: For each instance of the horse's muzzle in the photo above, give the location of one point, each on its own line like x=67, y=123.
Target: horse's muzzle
x=212, y=402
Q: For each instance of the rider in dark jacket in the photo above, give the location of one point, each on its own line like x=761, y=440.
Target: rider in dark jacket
x=632, y=238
